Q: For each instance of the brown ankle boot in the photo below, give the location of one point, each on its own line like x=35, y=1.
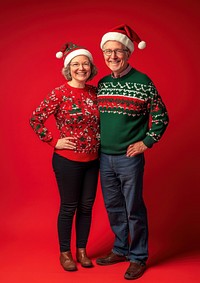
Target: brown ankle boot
x=82, y=258
x=67, y=262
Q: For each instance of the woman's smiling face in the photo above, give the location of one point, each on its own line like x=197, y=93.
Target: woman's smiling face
x=80, y=68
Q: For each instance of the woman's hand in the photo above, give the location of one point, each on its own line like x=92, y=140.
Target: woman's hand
x=66, y=143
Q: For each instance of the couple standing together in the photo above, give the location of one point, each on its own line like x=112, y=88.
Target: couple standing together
x=108, y=127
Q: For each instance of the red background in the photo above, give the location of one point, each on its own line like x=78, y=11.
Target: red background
x=31, y=33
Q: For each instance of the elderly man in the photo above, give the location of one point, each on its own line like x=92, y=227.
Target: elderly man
x=132, y=118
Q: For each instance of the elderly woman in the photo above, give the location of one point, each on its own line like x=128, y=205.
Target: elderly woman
x=75, y=156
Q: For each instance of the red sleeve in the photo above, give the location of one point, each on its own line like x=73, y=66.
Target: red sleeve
x=46, y=108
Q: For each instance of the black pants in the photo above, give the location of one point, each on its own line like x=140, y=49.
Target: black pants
x=77, y=184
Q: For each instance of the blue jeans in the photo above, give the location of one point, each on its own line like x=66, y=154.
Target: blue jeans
x=122, y=186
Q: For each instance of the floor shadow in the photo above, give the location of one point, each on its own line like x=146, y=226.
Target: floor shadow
x=166, y=255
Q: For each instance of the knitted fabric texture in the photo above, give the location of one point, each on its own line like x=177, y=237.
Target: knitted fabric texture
x=131, y=110
x=76, y=114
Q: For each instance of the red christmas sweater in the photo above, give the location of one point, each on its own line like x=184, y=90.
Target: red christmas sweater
x=76, y=114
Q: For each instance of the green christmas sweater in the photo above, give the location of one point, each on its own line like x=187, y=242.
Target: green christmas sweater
x=131, y=110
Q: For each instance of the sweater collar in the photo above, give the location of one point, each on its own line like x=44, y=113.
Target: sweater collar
x=126, y=71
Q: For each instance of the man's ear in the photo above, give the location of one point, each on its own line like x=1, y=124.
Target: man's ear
x=128, y=54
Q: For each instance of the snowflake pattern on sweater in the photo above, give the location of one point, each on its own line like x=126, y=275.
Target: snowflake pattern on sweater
x=130, y=104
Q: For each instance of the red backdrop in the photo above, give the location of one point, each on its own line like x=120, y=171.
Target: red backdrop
x=31, y=33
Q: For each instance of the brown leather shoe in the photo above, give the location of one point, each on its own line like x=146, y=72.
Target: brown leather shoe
x=67, y=261
x=134, y=271
x=110, y=259
x=83, y=258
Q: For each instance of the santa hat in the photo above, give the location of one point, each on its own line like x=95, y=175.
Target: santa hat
x=125, y=35
x=70, y=50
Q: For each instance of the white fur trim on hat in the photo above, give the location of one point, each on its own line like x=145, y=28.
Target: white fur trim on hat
x=117, y=37
x=75, y=53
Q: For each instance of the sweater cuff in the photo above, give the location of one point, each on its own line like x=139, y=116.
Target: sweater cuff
x=148, y=141
x=53, y=142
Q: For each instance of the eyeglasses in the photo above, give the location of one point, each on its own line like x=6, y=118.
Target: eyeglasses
x=108, y=52
x=77, y=65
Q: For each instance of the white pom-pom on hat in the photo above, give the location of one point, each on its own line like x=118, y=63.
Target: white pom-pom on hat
x=142, y=44
x=59, y=54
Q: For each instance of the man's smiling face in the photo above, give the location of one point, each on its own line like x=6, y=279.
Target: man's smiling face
x=117, y=61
